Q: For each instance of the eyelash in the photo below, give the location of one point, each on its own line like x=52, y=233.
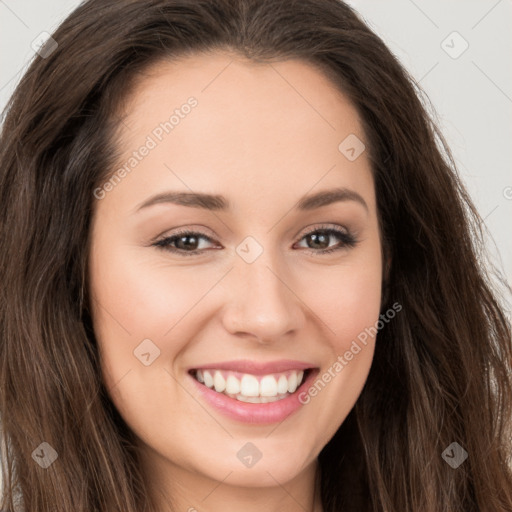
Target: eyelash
x=348, y=241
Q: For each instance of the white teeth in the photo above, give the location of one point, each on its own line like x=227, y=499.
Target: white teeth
x=282, y=384
x=249, y=385
x=232, y=385
x=249, y=388
x=268, y=386
x=292, y=382
x=208, y=379
x=219, y=382
x=249, y=399
x=259, y=399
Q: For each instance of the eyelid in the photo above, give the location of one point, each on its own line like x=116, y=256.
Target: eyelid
x=322, y=227
x=189, y=229
x=180, y=232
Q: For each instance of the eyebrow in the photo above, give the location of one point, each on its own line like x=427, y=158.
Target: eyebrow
x=217, y=202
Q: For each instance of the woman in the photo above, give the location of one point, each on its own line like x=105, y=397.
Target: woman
x=179, y=332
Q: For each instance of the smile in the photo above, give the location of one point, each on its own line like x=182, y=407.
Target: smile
x=246, y=387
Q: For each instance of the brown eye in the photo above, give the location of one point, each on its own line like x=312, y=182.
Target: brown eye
x=319, y=240
x=186, y=243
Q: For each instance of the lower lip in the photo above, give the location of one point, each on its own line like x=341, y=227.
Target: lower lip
x=271, y=412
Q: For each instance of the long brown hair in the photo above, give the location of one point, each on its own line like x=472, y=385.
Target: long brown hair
x=442, y=368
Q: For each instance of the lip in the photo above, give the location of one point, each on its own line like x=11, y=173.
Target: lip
x=272, y=412
x=255, y=368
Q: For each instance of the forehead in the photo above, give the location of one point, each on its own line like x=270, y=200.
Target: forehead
x=226, y=82
x=255, y=128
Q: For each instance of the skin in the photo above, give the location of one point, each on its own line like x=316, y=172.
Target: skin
x=263, y=136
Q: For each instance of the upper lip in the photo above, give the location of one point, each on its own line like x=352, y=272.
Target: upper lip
x=257, y=368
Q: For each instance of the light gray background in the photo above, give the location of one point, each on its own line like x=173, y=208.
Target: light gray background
x=471, y=93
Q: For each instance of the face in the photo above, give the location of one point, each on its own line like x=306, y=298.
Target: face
x=210, y=311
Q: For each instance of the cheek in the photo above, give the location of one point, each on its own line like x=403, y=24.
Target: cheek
x=136, y=300
x=347, y=297
x=140, y=298
x=129, y=307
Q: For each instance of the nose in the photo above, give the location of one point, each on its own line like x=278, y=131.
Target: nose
x=262, y=303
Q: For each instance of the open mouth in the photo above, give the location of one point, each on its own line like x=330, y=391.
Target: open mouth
x=246, y=387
